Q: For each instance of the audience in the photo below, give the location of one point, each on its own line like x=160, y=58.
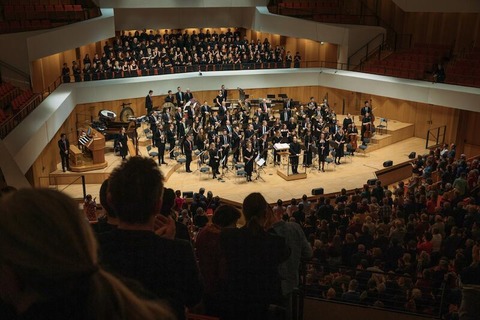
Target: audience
x=142, y=53
x=49, y=268
x=135, y=250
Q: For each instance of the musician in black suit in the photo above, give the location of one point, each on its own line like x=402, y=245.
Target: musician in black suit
x=170, y=139
x=323, y=150
x=180, y=96
x=347, y=122
x=222, y=110
x=277, y=138
x=170, y=97
x=295, y=150
x=263, y=130
x=188, y=95
x=224, y=92
x=214, y=159
x=187, y=149
x=285, y=115
x=122, y=143
x=235, y=142
x=366, y=109
x=308, y=143
x=263, y=147
x=182, y=132
x=64, y=146
x=204, y=111
x=339, y=139
x=166, y=117
x=225, y=143
x=149, y=102
x=248, y=158
x=160, y=141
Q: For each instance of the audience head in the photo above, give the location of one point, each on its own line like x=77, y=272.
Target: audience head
x=135, y=190
x=49, y=254
x=168, y=201
x=255, y=208
x=226, y=216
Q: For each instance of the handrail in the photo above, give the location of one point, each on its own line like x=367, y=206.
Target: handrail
x=430, y=132
x=366, y=47
x=79, y=176
x=15, y=69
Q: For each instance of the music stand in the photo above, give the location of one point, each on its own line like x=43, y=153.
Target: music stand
x=270, y=96
x=282, y=95
x=260, y=163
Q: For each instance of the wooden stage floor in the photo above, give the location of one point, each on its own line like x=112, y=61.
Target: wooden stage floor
x=352, y=173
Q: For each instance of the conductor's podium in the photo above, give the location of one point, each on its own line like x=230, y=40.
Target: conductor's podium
x=95, y=143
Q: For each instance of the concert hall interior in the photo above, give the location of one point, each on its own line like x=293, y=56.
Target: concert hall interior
x=327, y=84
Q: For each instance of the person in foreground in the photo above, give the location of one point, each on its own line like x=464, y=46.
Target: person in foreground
x=252, y=258
x=143, y=247
x=49, y=265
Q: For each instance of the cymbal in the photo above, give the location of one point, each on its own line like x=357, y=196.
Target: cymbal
x=168, y=105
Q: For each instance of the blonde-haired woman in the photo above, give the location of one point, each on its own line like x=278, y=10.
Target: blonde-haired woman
x=49, y=264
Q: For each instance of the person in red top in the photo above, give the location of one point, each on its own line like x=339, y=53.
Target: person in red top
x=426, y=244
x=179, y=201
x=210, y=259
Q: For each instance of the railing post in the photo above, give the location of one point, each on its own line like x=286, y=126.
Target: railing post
x=84, y=189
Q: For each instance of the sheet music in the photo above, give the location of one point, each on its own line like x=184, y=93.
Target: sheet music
x=281, y=146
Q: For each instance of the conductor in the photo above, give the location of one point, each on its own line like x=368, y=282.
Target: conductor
x=295, y=150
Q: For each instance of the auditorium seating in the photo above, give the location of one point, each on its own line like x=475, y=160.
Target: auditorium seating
x=27, y=17
x=412, y=64
x=465, y=70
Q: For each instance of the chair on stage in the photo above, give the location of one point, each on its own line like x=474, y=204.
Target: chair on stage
x=363, y=147
x=241, y=173
x=204, y=170
x=383, y=126
x=181, y=160
x=330, y=160
x=151, y=152
x=349, y=152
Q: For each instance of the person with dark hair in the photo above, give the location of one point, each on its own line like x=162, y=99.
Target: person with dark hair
x=210, y=259
x=50, y=265
x=142, y=248
x=108, y=221
x=168, y=210
x=64, y=146
x=149, y=102
x=187, y=149
x=122, y=143
x=252, y=259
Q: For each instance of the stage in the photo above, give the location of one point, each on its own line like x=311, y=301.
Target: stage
x=352, y=173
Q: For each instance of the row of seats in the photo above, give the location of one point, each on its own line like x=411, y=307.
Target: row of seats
x=309, y=4
x=5, y=87
x=395, y=72
x=24, y=25
x=40, y=11
x=337, y=18
x=7, y=93
x=26, y=2
x=19, y=102
x=465, y=71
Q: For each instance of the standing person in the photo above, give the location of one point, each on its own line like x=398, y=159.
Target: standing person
x=300, y=249
x=214, y=159
x=187, y=149
x=296, y=60
x=295, y=150
x=64, y=146
x=50, y=266
x=160, y=142
x=252, y=256
x=224, y=92
x=143, y=247
x=65, y=73
x=149, y=102
x=210, y=258
x=171, y=140
x=122, y=143
x=248, y=157
x=340, y=145
x=180, y=96
x=323, y=150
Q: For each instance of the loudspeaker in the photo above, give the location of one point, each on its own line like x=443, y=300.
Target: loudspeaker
x=188, y=194
x=412, y=155
x=317, y=191
x=388, y=163
x=372, y=182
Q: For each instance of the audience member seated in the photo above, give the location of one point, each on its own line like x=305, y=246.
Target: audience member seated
x=50, y=268
x=142, y=248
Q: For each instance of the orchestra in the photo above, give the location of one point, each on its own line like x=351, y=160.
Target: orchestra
x=248, y=129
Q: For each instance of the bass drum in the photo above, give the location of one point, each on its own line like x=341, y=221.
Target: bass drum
x=126, y=114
